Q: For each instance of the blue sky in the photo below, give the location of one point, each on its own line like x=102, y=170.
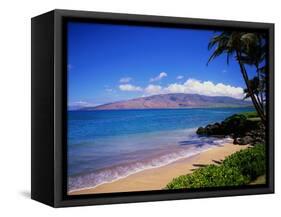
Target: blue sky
x=109, y=62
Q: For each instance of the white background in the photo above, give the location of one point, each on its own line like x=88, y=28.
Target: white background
x=15, y=106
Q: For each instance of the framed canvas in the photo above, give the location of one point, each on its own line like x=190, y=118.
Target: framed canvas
x=134, y=108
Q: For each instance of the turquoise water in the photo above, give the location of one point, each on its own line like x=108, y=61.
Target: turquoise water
x=106, y=145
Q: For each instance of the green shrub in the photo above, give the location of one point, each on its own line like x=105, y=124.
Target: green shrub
x=250, y=162
x=252, y=114
x=210, y=176
x=238, y=169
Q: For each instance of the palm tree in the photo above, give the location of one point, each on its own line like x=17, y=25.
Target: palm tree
x=255, y=50
x=243, y=47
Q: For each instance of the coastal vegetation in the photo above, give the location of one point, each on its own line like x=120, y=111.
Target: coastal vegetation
x=240, y=168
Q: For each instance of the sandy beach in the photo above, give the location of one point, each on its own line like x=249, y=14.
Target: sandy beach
x=158, y=178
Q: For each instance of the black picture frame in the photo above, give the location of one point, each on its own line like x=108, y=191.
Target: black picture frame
x=49, y=108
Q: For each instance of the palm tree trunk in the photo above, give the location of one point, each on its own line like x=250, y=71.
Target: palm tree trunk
x=260, y=96
x=259, y=102
x=262, y=100
x=246, y=79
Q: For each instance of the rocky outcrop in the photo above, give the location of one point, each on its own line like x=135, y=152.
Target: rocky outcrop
x=252, y=137
x=242, y=129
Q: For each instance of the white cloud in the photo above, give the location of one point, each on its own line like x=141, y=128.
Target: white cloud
x=79, y=104
x=129, y=87
x=207, y=88
x=159, y=77
x=191, y=86
x=153, y=89
x=125, y=80
x=179, y=77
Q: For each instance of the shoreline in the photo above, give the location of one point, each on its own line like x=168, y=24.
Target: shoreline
x=157, y=178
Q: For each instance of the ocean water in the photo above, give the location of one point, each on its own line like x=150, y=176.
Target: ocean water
x=107, y=145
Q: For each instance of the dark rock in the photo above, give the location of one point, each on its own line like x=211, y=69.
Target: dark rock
x=211, y=129
x=201, y=131
x=244, y=131
x=236, y=141
x=246, y=140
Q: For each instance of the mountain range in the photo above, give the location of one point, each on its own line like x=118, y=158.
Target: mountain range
x=175, y=100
